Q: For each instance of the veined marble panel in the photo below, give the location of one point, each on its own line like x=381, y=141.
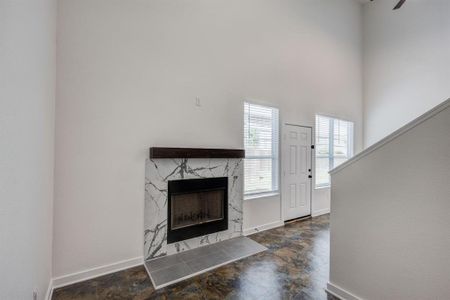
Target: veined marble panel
x=157, y=174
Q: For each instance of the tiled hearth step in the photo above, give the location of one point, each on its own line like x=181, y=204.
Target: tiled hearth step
x=174, y=268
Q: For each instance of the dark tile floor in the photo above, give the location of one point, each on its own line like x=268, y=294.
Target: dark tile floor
x=295, y=266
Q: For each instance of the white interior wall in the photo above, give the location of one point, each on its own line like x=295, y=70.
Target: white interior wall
x=128, y=57
x=390, y=224
x=27, y=98
x=406, y=63
x=129, y=73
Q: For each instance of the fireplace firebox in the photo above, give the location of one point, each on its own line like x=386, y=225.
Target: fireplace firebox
x=196, y=207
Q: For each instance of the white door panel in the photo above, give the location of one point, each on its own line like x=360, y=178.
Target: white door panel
x=296, y=171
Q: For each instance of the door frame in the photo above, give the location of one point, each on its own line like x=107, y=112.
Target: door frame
x=283, y=131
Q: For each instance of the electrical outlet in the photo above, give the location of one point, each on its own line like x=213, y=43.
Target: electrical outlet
x=35, y=294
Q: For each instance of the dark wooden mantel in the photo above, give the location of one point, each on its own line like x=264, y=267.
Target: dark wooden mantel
x=163, y=152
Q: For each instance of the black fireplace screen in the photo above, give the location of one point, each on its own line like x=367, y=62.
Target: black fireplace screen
x=197, y=207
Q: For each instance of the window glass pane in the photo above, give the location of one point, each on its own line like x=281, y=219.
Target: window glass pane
x=322, y=135
x=258, y=131
x=258, y=175
x=340, y=141
x=261, y=148
x=332, y=134
x=339, y=160
x=322, y=166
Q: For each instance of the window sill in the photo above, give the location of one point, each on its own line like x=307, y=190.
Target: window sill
x=262, y=195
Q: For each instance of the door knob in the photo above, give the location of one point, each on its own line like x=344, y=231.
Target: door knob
x=309, y=176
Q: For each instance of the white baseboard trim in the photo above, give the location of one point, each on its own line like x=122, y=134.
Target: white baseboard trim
x=340, y=292
x=48, y=295
x=96, y=272
x=263, y=227
x=320, y=212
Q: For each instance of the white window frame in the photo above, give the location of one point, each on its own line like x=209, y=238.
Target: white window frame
x=275, y=156
x=331, y=156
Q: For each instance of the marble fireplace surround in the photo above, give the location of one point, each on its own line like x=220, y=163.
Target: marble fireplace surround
x=158, y=171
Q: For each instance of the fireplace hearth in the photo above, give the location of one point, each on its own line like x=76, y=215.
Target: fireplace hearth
x=196, y=207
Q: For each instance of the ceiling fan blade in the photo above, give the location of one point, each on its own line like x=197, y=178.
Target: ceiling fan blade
x=399, y=4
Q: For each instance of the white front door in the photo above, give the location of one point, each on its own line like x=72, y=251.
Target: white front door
x=296, y=171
